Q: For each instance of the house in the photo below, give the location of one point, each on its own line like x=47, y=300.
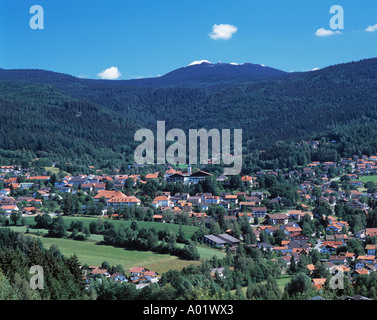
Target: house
x=338, y=259
x=211, y=199
x=318, y=283
x=219, y=271
x=39, y=178
x=198, y=176
x=224, y=204
x=350, y=256
x=361, y=271
x=98, y=186
x=87, y=187
x=76, y=181
x=213, y=241
x=268, y=229
x=357, y=205
x=26, y=185
x=330, y=246
x=9, y=208
x=291, y=230
x=29, y=210
x=100, y=272
x=310, y=267
x=118, y=277
x=259, y=212
x=281, y=249
x=231, y=241
x=150, y=276
x=231, y=198
x=123, y=201
x=157, y=218
x=362, y=261
x=177, y=177
x=278, y=218
x=151, y=176
x=370, y=249
x=258, y=194
x=371, y=232
x=116, y=198
x=199, y=215
x=136, y=273
x=162, y=201
x=295, y=214
x=248, y=215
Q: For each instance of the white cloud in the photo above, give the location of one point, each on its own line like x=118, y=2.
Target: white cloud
x=322, y=32
x=222, y=31
x=315, y=69
x=371, y=28
x=110, y=74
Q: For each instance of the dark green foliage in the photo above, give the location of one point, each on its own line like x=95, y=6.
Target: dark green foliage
x=62, y=276
x=93, y=122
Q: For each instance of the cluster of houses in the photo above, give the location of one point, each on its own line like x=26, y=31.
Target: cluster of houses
x=183, y=202
x=140, y=276
x=349, y=264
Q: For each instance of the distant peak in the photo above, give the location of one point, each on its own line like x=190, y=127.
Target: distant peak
x=199, y=62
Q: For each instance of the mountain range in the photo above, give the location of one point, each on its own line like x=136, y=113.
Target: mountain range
x=86, y=121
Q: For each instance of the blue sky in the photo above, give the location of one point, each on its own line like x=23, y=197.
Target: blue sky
x=146, y=38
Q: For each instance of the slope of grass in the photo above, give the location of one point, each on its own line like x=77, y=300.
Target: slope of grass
x=187, y=230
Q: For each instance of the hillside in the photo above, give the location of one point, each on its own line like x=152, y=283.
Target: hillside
x=94, y=120
x=41, y=119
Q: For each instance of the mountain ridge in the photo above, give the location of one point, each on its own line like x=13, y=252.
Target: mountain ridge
x=289, y=107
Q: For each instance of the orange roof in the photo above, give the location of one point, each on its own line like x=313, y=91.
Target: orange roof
x=161, y=198
x=137, y=269
x=8, y=207
x=39, y=178
x=99, y=271
x=319, y=282
x=310, y=267
x=123, y=199
x=362, y=271
x=108, y=194
x=366, y=257
x=30, y=209
x=151, y=176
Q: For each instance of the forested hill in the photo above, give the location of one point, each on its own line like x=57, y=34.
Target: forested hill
x=93, y=120
x=47, y=123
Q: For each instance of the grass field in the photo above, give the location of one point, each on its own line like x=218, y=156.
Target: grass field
x=55, y=170
x=92, y=253
x=188, y=230
x=368, y=178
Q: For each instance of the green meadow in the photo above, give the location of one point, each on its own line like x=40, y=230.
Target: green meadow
x=365, y=179
x=92, y=252
x=187, y=230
